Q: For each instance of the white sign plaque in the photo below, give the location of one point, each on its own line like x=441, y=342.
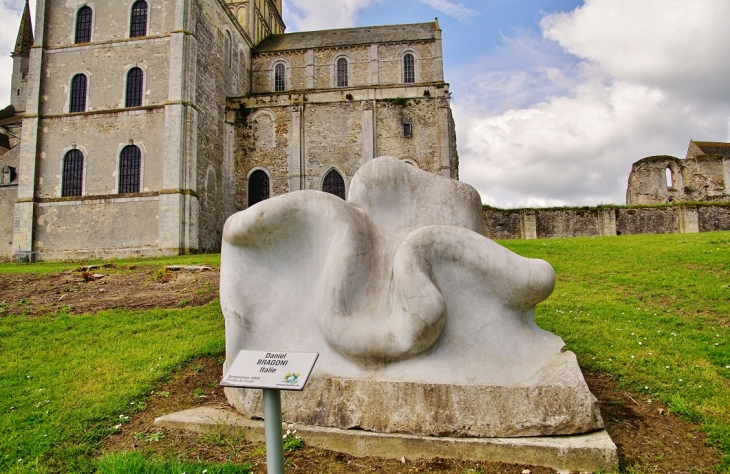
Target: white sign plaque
x=278, y=370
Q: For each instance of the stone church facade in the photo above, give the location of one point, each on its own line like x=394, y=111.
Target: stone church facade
x=136, y=127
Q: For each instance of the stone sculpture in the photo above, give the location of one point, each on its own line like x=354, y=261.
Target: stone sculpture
x=423, y=325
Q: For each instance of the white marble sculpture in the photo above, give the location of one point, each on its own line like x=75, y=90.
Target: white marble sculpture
x=423, y=325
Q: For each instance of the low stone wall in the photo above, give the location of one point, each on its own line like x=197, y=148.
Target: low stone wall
x=598, y=221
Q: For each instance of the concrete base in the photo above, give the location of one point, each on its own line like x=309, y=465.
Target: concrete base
x=580, y=453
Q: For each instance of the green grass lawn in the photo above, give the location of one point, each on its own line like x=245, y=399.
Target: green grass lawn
x=653, y=310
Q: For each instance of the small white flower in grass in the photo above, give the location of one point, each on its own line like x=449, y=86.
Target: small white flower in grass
x=717, y=343
x=646, y=388
x=283, y=437
x=666, y=367
x=204, y=471
x=680, y=380
x=20, y=460
x=633, y=357
x=641, y=343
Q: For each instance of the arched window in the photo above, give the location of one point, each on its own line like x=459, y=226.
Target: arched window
x=334, y=184
x=73, y=173
x=279, y=77
x=258, y=187
x=668, y=176
x=409, y=69
x=138, y=23
x=342, y=72
x=79, y=85
x=83, y=25
x=130, y=166
x=228, y=50
x=135, y=86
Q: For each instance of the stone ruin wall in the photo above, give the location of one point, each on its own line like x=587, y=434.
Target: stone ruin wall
x=667, y=179
x=604, y=221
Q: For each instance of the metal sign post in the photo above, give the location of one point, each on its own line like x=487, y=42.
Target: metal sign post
x=271, y=371
x=272, y=428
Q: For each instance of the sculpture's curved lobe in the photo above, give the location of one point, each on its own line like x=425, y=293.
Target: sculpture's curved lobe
x=402, y=297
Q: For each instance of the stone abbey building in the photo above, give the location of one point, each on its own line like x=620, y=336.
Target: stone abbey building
x=136, y=127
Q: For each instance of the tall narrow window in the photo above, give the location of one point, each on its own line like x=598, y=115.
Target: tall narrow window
x=342, y=72
x=135, y=85
x=279, y=77
x=407, y=129
x=409, y=69
x=73, y=173
x=138, y=24
x=78, y=93
x=668, y=177
x=258, y=187
x=130, y=165
x=228, y=50
x=334, y=184
x=83, y=25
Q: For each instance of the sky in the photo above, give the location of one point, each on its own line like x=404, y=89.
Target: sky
x=553, y=99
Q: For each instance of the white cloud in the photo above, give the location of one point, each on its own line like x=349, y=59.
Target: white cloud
x=568, y=134
x=456, y=10
x=673, y=44
x=307, y=15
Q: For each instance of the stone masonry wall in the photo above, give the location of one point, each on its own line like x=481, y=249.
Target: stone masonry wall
x=100, y=137
x=331, y=133
x=588, y=222
x=649, y=220
x=92, y=228
x=574, y=222
x=424, y=145
x=8, y=195
x=215, y=79
x=110, y=20
x=389, y=66
x=713, y=218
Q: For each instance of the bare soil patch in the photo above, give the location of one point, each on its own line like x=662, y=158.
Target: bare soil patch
x=77, y=291
x=649, y=439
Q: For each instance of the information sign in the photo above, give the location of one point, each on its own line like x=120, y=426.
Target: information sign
x=270, y=370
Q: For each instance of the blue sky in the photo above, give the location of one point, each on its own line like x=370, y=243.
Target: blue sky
x=553, y=99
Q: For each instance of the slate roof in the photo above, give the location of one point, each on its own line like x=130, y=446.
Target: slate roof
x=714, y=148
x=349, y=36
